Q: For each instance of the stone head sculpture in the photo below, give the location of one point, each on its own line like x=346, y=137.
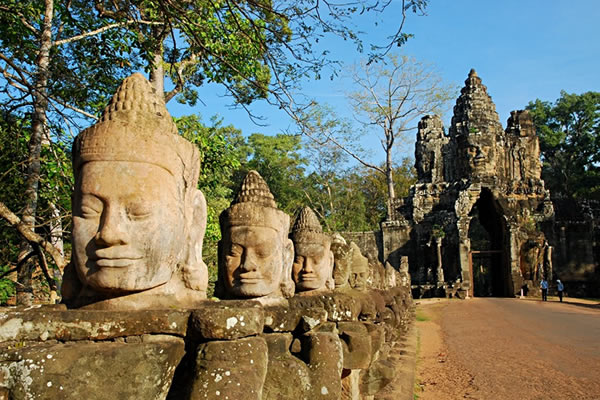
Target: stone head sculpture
x=138, y=218
x=342, y=266
x=360, y=269
x=479, y=153
x=313, y=260
x=255, y=254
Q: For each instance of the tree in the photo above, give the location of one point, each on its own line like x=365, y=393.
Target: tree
x=569, y=132
x=278, y=160
x=256, y=49
x=389, y=98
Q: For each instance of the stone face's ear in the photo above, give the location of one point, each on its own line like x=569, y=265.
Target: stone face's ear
x=330, y=282
x=288, y=287
x=194, y=270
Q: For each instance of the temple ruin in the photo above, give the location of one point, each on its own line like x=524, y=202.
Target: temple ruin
x=479, y=221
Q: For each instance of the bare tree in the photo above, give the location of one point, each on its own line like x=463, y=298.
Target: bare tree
x=389, y=98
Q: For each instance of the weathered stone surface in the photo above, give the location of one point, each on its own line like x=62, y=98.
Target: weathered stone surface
x=377, y=377
x=317, y=374
x=356, y=343
x=281, y=318
x=340, y=306
x=224, y=320
x=91, y=370
x=233, y=369
x=38, y=325
x=255, y=254
x=137, y=240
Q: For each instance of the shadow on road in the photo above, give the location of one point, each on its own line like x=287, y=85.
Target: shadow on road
x=595, y=306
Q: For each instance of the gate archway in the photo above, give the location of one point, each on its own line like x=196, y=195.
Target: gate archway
x=488, y=264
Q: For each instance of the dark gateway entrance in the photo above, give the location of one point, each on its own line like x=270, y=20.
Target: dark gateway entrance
x=490, y=275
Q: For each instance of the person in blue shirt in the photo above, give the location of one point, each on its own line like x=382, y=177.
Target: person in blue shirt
x=544, y=286
x=560, y=287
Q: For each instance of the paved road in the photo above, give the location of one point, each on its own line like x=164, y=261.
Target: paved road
x=516, y=349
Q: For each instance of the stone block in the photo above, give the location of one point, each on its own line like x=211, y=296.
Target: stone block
x=356, y=344
x=42, y=325
x=282, y=319
x=234, y=369
x=228, y=320
x=86, y=370
x=377, y=377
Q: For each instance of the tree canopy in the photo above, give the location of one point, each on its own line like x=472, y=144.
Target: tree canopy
x=569, y=132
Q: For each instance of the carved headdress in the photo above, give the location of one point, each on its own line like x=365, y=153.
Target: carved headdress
x=136, y=126
x=255, y=205
x=307, y=228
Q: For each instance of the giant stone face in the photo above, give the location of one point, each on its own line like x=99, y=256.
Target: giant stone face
x=255, y=255
x=138, y=219
x=126, y=231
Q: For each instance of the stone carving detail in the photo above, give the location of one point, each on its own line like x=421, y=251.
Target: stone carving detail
x=429, y=149
x=138, y=219
x=360, y=269
x=255, y=254
x=313, y=260
x=342, y=253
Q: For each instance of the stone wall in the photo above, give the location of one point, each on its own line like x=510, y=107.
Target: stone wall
x=328, y=346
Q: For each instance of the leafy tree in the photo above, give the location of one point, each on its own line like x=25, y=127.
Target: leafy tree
x=569, y=132
x=278, y=160
x=390, y=97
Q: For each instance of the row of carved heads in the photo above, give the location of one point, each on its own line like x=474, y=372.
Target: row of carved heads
x=139, y=222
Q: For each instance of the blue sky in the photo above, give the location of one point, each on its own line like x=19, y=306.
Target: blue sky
x=522, y=50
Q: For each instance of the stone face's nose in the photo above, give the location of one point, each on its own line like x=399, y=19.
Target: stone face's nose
x=112, y=229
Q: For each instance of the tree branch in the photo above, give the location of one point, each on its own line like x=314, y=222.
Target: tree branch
x=31, y=236
x=104, y=29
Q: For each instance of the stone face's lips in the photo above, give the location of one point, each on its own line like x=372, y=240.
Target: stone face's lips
x=115, y=262
x=250, y=276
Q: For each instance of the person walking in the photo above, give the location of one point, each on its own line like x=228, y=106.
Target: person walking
x=560, y=287
x=544, y=286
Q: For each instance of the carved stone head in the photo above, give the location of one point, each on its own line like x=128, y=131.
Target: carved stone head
x=138, y=218
x=313, y=260
x=342, y=266
x=255, y=254
x=478, y=152
x=360, y=269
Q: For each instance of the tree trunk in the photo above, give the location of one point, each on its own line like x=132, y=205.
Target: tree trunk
x=390, y=184
x=38, y=126
x=157, y=74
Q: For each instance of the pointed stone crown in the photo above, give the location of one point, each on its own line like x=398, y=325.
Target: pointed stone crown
x=254, y=189
x=307, y=228
x=136, y=126
x=307, y=221
x=254, y=205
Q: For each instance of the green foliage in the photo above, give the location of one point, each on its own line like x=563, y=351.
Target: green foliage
x=569, y=132
x=278, y=160
x=54, y=190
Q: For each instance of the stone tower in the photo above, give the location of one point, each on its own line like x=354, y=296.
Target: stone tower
x=479, y=200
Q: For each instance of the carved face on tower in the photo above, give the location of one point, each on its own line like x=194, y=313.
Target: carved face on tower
x=313, y=259
x=479, y=154
x=255, y=255
x=138, y=219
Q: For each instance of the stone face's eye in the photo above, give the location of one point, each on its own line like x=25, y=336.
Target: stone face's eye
x=90, y=207
x=298, y=260
x=139, y=210
x=236, y=250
